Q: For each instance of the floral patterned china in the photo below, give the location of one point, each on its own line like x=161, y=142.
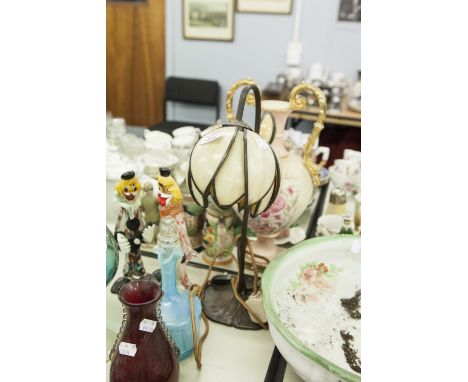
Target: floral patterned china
x=312, y=299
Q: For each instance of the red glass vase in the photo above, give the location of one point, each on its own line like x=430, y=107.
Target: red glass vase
x=145, y=352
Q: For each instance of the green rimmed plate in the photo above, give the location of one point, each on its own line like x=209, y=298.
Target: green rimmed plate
x=302, y=291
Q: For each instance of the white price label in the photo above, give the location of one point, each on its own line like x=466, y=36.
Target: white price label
x=262, y=144
x=356, y=246
x=210, y=137
x=147, y=325
x=127, y=349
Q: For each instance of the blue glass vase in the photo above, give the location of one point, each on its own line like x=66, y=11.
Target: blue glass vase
x=175, y=303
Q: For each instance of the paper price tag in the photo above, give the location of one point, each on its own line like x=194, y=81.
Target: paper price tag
x=127, y=349
x=147, y=325
x=210, y=137
x=262, y=144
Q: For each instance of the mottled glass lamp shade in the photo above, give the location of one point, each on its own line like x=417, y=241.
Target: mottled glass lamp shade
x=234, y=165
x=217, y=169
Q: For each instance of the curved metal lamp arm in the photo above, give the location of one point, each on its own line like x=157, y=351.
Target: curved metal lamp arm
x=232, y=91
x=243, y=100
x=250, y=101
x=298, y=101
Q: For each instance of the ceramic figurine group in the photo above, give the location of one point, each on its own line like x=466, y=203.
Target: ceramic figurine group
x=139, y=216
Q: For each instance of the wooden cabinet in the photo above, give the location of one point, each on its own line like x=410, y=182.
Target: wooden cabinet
x=135, y=60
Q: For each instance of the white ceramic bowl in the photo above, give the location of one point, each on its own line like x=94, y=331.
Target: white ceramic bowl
x=341, y=254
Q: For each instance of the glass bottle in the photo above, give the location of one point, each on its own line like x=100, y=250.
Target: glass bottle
x=175, y=304
x=144, y=351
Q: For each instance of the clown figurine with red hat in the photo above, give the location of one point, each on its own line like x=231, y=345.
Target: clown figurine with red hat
x=130, y=229
x=171, y=204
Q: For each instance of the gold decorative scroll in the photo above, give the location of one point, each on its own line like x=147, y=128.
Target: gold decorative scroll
x=232, y=91
x=299, y=101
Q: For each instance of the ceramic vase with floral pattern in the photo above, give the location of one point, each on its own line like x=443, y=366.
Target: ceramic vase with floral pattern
x=295, y=193
x=194, y=217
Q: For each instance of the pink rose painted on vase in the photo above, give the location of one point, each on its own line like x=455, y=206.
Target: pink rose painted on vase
x=277, y=217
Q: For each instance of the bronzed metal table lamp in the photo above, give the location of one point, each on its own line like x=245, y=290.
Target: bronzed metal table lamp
x=234, y=165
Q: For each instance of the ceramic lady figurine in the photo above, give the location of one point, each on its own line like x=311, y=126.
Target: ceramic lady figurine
x=194, y=217
x=175, y=304
x=218, y=235
x=150, y=207
x=130, y=228
x=171, y=204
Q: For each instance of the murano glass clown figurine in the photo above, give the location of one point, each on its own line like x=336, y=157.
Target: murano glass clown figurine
x=171, y=204
x=130, y=228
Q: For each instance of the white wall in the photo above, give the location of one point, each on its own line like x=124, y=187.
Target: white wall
x=259, y=49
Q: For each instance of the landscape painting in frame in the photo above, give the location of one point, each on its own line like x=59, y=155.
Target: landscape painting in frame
x=208, y=20
x=350, y=10
x=265, y=6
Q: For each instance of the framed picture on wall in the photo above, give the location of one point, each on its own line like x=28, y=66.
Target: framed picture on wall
x=208, y=20
x=350, y=10
x=283, y=7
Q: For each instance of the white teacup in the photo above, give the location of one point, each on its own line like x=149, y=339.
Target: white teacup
x=328, y=225
x=352, y=155
x=347, y=167
x=184, y=141
x=349, y=183
x=186, y=130
x=157, y=140
x=183, y=145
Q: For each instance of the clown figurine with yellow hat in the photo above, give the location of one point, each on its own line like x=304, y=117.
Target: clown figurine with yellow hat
x=171, y=204
x=130, y=228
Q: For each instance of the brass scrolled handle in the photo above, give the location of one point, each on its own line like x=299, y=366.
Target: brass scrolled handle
x=232, y=91
x=298, y=101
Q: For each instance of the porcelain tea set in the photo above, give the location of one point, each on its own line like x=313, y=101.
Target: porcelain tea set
x=164, y=150
x=156, y=150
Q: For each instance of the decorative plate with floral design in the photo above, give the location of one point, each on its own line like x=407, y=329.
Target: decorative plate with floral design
x=311, y=296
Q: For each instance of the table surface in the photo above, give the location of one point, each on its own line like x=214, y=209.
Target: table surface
x=229, y=354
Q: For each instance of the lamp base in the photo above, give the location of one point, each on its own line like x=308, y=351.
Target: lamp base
x=220, y=304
